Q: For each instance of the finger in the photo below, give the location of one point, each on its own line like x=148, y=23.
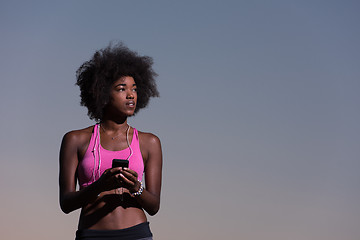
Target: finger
x=128, y=182
x=132, y=172
x=116, y=169
x=133, y=178
x=112, y=171
x=129, y=170
x=107, y=173
x=118, y=180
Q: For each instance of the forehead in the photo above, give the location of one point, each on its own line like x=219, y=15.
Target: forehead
x=126, y=80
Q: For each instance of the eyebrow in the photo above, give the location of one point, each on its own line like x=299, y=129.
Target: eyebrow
x=124, y=85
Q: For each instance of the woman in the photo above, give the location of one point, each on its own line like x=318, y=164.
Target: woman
x=114, y=85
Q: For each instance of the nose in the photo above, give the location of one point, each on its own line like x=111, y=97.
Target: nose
x=130, y=95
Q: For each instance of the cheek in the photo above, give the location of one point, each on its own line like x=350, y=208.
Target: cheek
x=135, y=95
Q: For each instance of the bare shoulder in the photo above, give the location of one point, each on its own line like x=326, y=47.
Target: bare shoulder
x=150, y=145
x=77, y=139
x=148, y=139
x=76, y=136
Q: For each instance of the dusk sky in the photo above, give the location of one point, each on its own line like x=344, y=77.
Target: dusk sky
x=258, y=114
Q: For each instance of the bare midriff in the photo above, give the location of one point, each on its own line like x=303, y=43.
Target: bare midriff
x=112, y=210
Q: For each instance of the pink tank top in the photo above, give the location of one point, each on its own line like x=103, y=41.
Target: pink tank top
x=97, y=159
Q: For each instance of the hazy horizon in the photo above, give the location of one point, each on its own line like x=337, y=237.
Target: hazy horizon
x=258, y=113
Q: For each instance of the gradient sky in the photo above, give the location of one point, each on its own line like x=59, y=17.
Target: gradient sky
x=258, y=115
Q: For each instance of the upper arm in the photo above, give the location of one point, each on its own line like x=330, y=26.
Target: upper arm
x=68, y=163
x=153, y=162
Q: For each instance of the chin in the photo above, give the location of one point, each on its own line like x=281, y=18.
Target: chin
x=130, y=114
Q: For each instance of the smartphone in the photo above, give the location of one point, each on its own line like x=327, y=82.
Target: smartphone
x=120, y=163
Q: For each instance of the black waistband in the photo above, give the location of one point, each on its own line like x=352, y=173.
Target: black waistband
x=139, y=231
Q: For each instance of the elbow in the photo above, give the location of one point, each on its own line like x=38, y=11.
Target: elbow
x=66, y=209
x=153, y=210
x=152, y=213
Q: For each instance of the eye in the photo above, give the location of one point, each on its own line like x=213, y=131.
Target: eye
x=134, y=90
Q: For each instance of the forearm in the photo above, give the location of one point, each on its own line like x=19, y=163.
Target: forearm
x=72, y=201
x=149, y=202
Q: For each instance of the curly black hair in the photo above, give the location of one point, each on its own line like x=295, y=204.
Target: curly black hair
x=96, y=76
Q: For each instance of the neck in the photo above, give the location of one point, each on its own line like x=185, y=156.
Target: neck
x=114, y=126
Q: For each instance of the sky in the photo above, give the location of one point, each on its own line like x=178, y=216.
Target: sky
x=258, y=113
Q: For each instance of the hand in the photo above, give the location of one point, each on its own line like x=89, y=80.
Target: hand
x=111, y=179
x=130, y=180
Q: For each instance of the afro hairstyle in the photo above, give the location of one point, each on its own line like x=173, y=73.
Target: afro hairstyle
x=96, y=76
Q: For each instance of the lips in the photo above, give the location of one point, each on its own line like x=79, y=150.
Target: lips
x=130, y=103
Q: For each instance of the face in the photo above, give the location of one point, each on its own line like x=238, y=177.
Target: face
x=123, y=96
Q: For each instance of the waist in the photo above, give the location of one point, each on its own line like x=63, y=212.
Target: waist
x=111, y=212
x=138, y=231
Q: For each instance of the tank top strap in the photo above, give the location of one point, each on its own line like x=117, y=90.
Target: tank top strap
x=135, y=140
x=94, y=138
x=136, y=134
